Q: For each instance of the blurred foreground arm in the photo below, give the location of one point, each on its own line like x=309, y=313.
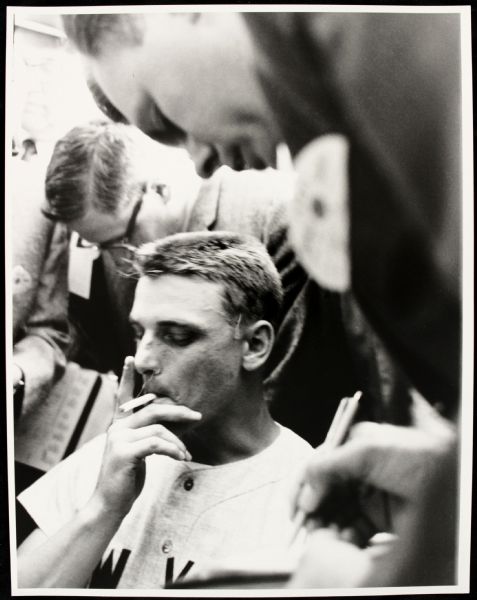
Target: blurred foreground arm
x=417, y=467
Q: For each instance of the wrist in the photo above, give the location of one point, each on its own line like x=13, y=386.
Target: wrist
x=97, y=513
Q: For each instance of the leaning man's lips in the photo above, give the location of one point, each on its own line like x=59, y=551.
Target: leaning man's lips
x=254, y=159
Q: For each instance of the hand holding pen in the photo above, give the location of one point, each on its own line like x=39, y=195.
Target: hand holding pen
x=407, y=464
x=132, y=437
x=308, y=497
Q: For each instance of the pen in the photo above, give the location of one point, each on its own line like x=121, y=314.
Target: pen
x=337, y=432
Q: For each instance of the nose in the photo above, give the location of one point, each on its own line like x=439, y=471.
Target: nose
x=205, y=157
x=147, y=360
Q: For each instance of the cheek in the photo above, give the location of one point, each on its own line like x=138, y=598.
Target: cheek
x=207, y=371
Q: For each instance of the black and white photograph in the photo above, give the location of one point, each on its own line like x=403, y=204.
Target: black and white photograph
x=239, y=300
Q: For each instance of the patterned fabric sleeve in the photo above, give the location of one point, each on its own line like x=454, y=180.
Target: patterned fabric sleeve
x=41, y=351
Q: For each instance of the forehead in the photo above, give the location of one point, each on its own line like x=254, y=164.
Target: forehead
x=161, y=73
x=130, y=74
x=179, y=298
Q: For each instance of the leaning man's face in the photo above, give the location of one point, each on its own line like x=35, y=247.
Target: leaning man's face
x=181, y=83
x=186, y=350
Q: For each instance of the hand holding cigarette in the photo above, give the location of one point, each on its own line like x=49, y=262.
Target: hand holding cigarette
x=132, y=437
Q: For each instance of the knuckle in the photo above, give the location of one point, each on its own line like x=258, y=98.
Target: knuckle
x=150, y=409
x=154, y=445
x=159, y=429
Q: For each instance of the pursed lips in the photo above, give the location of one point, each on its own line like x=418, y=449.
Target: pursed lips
x=163, y=400
x=162, y=396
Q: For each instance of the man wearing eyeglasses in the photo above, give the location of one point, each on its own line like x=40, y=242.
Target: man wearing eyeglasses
x=97, y=184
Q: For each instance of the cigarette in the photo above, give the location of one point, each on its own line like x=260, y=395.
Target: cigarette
x=136, y=402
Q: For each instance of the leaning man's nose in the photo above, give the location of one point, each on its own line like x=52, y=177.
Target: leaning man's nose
x=204, y=157
x=207, y=167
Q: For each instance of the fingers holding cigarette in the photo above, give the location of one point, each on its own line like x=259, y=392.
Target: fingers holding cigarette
x=162, y=413
x=136, y=403
x=143, y=428
x=160, y=433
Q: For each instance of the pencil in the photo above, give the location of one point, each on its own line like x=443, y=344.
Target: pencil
x=339, y=428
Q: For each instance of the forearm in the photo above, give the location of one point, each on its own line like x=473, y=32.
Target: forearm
x=46, y=330
x=68, y=558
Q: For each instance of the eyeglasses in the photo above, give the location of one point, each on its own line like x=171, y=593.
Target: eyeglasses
x=123, y=240
x=120, y=241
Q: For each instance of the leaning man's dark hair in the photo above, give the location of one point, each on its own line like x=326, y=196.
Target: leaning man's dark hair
x=92, y=33
x=91, y=165
x=252, y=287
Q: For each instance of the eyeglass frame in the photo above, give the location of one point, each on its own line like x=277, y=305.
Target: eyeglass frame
x=120, y=241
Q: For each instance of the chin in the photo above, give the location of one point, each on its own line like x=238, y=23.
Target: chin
x=180, y=429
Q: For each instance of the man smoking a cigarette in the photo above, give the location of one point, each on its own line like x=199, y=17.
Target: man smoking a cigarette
x=200, y=470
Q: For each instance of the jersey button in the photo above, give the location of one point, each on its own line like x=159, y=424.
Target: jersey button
x=167, y=546
x=188, y=484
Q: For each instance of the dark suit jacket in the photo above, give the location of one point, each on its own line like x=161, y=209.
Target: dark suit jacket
x=390, y=83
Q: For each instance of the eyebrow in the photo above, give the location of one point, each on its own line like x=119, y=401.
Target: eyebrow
x=168, y=323
x=104, y=104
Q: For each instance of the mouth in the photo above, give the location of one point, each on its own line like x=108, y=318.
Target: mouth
x=163, y=400
x=237, y=157
x=245, y=158
x=253, y=159
x=161, y=396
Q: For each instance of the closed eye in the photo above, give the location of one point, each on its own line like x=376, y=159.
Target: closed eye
x=104, y=104
x=178, y=335
x=163, y=130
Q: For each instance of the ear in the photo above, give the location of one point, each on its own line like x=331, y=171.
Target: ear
x=257, y=344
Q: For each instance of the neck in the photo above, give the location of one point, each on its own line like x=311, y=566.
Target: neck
x=246, y=430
